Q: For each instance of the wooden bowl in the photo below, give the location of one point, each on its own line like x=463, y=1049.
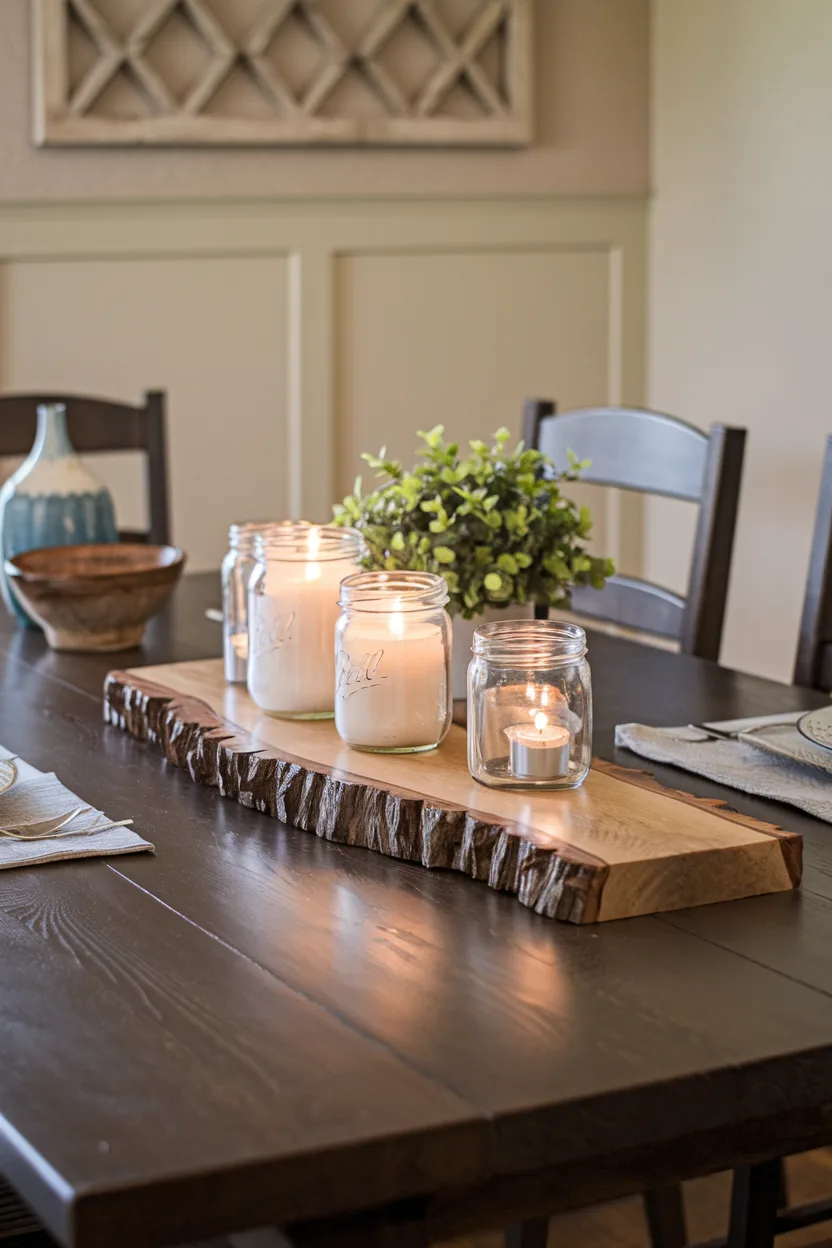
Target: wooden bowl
x=96, y=597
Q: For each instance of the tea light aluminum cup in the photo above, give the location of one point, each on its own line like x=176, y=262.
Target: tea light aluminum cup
x=538, y=754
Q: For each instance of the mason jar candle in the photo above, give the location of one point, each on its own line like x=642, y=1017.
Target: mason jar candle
x=393, y=649
x=292, y=613
x=529, y=705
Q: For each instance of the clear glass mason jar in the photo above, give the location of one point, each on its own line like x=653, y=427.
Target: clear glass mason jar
x=237, y=567
x=292, y=612
x=529, y=705
x=393, y=662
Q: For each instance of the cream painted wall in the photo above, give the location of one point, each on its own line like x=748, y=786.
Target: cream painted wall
x=301, y=306
x=740, y=293
x=591, y=118
x=292, y=336
x=456, y=352
x=211, y=331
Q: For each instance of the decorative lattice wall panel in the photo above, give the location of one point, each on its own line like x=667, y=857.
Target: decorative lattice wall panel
x=339, y=72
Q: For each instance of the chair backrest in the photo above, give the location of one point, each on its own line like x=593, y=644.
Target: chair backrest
x=97, y=425
x=813, y=665
x=654, y=453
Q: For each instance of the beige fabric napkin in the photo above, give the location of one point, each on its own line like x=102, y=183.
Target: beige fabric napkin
x=37, y=795
x=767, y=757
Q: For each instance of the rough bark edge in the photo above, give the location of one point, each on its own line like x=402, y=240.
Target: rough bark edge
x=559, y=882
x=791, y=843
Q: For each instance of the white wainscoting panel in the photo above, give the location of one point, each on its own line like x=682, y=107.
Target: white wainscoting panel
x=459, y=339
x=291, y=336
x=209, y=331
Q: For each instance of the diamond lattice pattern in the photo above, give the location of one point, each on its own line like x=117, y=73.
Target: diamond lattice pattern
x=415, y=25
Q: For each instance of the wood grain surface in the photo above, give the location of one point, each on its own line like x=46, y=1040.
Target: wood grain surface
x=620, y=846
x=581, y=1062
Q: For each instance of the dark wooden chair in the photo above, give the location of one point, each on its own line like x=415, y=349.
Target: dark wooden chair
x=655, y=454
x=813, y=666
x=97, y=425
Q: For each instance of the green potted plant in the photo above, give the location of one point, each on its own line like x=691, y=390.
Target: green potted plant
x=494, y=522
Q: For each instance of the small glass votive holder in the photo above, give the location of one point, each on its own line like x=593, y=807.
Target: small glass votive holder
x=529, y=705
x=393, y=662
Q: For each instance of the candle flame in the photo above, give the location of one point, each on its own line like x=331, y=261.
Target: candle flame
x=313, y=568
x=397, y=619
x=540, y=721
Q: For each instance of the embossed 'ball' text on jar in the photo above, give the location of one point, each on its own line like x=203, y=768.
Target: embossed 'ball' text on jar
x=529, y=705
x=292, y=612
x=393, y=691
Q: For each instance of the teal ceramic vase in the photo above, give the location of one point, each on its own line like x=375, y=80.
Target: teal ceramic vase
x=52, y=500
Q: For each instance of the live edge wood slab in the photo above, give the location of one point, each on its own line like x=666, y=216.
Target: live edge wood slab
x=621, y=845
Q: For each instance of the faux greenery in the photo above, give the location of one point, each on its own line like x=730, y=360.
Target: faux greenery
x=495, y=523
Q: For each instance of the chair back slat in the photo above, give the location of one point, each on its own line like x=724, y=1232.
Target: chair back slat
x=634, y=449
x=632, y=603
x=95, y=426
x=813, y=665
x=630, y=449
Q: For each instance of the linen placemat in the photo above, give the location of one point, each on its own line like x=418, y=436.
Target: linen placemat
x=766, y=756
x=39, y=796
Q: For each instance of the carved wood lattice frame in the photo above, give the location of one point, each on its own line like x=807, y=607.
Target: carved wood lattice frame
x=63, y=117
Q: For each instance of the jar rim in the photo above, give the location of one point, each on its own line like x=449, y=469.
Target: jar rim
x=411, y=591
x=304, y=542
x=250, y=530
x=529, y=643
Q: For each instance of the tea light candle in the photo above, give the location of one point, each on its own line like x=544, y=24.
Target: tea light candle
x=391, y=683
x=538, y=751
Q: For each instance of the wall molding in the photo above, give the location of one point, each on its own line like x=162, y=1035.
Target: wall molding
x=313, y=235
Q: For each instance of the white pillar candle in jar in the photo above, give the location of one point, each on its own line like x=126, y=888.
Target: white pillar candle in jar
x=393, y=662
x=292, y=613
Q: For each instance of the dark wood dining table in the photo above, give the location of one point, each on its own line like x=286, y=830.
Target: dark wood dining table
x=254, y=1027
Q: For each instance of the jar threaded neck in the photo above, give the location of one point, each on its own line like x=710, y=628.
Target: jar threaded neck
x=529, y=643
x=410, y=591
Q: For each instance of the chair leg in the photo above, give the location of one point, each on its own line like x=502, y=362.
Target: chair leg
x=754, y=1197
x=532, y=1233
x=782, y=1185
x=664, y=1208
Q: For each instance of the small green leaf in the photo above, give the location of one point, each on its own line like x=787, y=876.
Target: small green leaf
x=397, y=541
x=433, y=437
x=507, y=563
x=493, y=582
x=444, y=554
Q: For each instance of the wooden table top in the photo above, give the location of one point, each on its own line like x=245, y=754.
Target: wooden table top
x=256, y=1027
